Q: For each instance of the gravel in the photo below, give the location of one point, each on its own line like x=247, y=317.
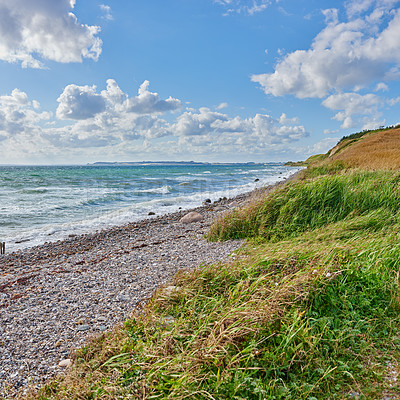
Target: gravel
x=55, y=296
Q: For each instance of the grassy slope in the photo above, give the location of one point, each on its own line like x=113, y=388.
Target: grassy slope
x=308, y=310
x=378, y=150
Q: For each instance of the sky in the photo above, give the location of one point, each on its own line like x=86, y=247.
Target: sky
x=203, y=80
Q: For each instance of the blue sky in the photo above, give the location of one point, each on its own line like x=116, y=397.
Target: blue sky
x=205, y=80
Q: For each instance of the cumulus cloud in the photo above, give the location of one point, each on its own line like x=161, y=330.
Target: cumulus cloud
x=83, y=102
x=36, y=30
x=80, y=102
x=110, y=117
x=365, y=107
x=345, y=58
x=210, y=128
x=148, y=103
x=394, y=101
x=344, y=55
x=89, y=122
x=19, y=115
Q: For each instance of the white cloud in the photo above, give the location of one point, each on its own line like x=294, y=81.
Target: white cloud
x=363, y=107
x=320, y=147
x=107, y=12
x=250, y=134
x=109, y=122
x=344, y=55
x=80, y=102
x=331, y=15
x=19, y=115
x=394, y=101
x=357, y=7
x=283, y=119
x=222, y=106
x=345, y=58
x=83, y=103
x=148, y=103
x=329, y=131
x=36, y=30
x=244, y=6
x=381, y=86
x=110, y=118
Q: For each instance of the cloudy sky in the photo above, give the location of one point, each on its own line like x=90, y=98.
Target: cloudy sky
x=210, y=80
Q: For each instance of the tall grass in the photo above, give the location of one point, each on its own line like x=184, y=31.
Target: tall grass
x=314, y=324
x=308, y=205
x=313, y=313
x=377, y=151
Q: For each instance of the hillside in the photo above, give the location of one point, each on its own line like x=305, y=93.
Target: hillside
x=373, y=151
x=308, y=309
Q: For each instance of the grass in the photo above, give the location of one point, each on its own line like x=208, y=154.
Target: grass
x=310, y=204
x=308, y=309
x=361, y=134
x=367, y=150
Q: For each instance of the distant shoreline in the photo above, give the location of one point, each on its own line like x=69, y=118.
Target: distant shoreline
x=143, y=163
x=174, y=163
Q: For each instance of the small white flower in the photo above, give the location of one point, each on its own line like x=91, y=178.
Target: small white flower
x=328, y=274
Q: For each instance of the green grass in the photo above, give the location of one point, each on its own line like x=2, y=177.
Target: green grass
x=309, y=309
x=310, y=204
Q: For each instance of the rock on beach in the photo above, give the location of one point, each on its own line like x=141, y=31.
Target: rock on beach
x=65, y=363
x=193, y=216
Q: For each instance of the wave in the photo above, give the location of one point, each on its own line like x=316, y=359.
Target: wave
x=119, y=207
x=38, y=190
x=162, y=190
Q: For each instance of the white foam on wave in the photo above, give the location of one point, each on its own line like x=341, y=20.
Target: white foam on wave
x=161, y=190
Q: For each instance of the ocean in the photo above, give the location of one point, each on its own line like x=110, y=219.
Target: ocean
x=47, y=203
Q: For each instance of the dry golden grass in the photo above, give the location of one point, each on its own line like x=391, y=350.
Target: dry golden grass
x=377, y=151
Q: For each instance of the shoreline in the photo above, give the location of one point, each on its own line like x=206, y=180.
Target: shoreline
x=55, y=296
x=35, y=232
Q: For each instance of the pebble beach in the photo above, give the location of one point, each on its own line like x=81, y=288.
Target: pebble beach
x=55, y=296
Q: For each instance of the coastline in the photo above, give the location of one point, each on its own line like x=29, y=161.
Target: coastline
x=55, y=296
x=85, y=199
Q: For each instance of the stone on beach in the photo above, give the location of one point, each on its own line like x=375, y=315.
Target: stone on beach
x=170, y=289
x=65, y=363
x=82, y=328
x=193, y=216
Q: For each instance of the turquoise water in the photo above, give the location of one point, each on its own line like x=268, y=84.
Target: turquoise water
x=43, y=203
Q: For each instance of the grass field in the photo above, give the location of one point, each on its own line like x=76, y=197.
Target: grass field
x=308, y=309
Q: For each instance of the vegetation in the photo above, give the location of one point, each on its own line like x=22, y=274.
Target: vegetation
x=310, y=204
x=310, y=160
x=358, y=135
x=308, y=309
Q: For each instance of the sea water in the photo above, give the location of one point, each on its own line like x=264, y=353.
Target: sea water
x=48, y=203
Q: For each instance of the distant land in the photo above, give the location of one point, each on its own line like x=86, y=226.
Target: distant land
x=161, y=163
